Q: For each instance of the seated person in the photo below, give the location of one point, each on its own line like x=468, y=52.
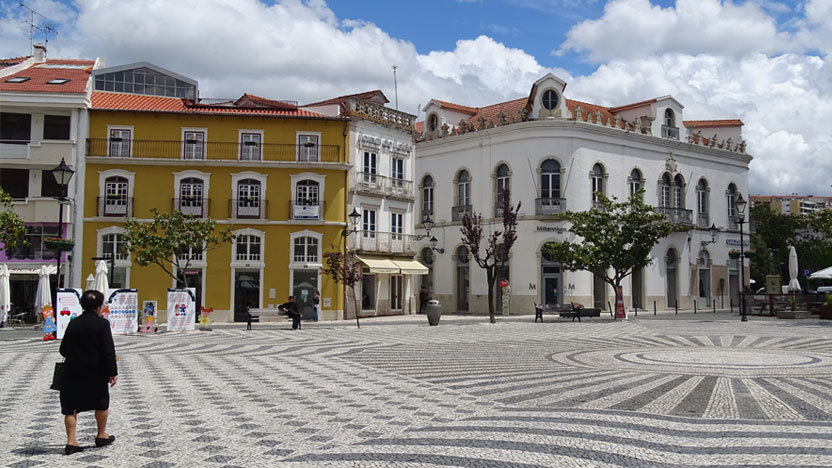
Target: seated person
x=291, y=309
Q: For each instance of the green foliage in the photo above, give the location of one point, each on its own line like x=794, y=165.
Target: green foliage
x=12, y=229
x=165, y=240
x=793, y=302
x=614, y=240
x=828, y=302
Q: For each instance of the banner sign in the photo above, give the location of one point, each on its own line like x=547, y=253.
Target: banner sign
x=620, y=313
x=69, y=307
x=123, y=306
x=181, y=309
x=148, y=317
x=306, y=212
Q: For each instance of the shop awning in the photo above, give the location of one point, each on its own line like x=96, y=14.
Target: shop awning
x=411, y=267
x=31, y=269
x=379, y=265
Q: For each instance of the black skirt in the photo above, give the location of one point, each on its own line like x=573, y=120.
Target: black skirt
x=84, y=394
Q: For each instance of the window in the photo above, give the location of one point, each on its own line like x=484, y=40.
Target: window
x=49, y=185
x=397, y=171
x=15, y=129
x=305, y=250
x=307, y=193
x=308, y=149
x=396, y=225
x=597, y=182
x=193, y=145
x=113, y=245
x=678, y=191
x=463, y=189
x=115, y=196
x=248, y=198
x=664, y=196
x=702, y=198
x=58, y=81
x=15, y=182
x=635, y=181
x=191, y=196
x=369, y=170
x=120, y=142
x=669, y=118
x=18, y=79
x=144, y=81
x=503, y=182
x=550, y=99
x=190, y=253
x=56, y=127
x=427, y=197
x=433, y=122
x=368, y=225
x=550, y=179
x=248, y=248
x=36, y=250
x=251, y=146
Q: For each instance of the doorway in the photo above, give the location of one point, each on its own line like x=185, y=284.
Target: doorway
x=704, y=278
x=734, y=282
x=672, y=278
x=637, y=292
x=193, y=279
x=599, y=292
x=246, y=293
x=462, y=280
x=304, y=285
x=552, y=280
x=396, y=293
x=368, y=292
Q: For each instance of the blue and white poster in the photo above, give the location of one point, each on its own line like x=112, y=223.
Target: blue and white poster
x=123, y=306
x=68, y=307
x=181, y=309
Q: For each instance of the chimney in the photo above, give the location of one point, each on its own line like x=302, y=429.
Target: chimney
x=40, y=53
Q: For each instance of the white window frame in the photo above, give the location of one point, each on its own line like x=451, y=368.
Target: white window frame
x=128, y=128
x=238, y=176
x=301, y=265
x=300, y=148
x=597, y=181
x=240, y=134
x=369, y=218
x=463, y=189
x=553, y=177
x=126, y=263
x=248, y=263
x=104, y=175
x=204, y=132
x=293, y=190
x=178, y=177
x=393, y=163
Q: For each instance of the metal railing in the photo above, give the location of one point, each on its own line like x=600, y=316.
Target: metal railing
x=211, y=150
x=192, y=206
x=115, y=206
x=702, y=220
x=669, y=132
x=384, y=242
x=459, y=212
x=547, y=206
x=254, y=208
x=677, y=215
x=383, y=185
x=303, y=209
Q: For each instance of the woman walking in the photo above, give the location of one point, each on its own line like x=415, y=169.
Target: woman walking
x=90, y=366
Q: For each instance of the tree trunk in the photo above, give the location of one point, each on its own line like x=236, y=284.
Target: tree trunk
x=490, y=276
x=357, y=309
x=618, y=296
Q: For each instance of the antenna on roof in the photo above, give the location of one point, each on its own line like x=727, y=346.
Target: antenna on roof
x=45, y=29
x=396, y=85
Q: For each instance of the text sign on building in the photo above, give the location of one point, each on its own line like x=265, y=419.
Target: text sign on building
x=557, y=229
x=736, y=242
x=307, y=212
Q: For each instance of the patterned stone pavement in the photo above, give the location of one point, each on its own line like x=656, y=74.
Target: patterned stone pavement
x=647, y=392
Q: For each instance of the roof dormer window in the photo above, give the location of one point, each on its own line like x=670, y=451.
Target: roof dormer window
x=18, y=79
x=57, y=81
x=550, y=99
x=669, y=118
x=433, y=122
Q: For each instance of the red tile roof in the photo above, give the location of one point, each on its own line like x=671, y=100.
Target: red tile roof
x=457, y=107
x=141, y=103
x=340, y=99
x=10, y=62
x=634, y=105
x=588, y=108
x=420, y=127
x=492, y=112
x=713, y=123
x=40, y=73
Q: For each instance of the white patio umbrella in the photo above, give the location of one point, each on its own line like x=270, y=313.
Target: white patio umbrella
x=43, y=296
x=826, y=273
x=5, y=293
x=101, y=283
x=794, y=285
x=90, y=282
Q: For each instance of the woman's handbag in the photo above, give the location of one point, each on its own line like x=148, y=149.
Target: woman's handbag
x=58, y=376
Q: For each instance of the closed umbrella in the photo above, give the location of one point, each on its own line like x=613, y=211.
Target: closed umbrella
x=101, y=282
x=43, y=296
x=794, y=285
x=5, y=293
x=90, y=281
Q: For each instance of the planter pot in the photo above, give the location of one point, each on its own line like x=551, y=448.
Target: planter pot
x=825, y=312
x=60, y=245
x=434, y=312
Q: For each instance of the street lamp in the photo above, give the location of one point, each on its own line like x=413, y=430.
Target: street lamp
x=433, y=241
x=740, y=204
x=713, y=230
x=62, y=175
x=354, y=221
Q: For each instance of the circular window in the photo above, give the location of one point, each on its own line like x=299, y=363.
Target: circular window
x=550, y=99
x=433, y=122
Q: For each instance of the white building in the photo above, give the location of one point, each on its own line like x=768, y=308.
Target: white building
x=382, y=194
x=554, y=154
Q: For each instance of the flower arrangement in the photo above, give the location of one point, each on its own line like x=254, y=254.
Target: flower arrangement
x=735, y=254
x=58, y=243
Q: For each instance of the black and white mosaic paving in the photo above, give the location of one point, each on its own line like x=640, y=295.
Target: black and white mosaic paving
x=651, y=392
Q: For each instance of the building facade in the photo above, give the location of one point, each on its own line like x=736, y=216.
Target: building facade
x=382, y=194
x=792, y=204
x=273, y=172
x=556, y=154
x=43, y=120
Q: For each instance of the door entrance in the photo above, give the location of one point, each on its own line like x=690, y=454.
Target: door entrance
x=246, y=293
x=599, y=292
x=193, y=279
x=395, y=293
x=552, y=288
x=304, y=285
x=368, y=292
x=638, y=289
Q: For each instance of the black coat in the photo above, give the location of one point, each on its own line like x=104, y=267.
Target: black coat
x=90, y=361
x=291, y=309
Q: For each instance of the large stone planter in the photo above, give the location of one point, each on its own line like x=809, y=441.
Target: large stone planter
x=825, y=312
x=434, y=312
x=793, y=314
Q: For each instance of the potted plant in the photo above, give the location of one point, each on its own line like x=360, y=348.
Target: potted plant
x=308, y=144
x=793, y=300
x=59, y=244
x=734, y=254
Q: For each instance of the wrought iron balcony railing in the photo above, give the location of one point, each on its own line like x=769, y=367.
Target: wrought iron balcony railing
x=115, y=206
x=249, y=208
x=677, y=215
x=548, y=206
x=306, y=209
x=211, y=150
x=459, y=212
x=703, y=221
x=382, y=185
x=384, y=242
x=669, y=132
x=192, y=206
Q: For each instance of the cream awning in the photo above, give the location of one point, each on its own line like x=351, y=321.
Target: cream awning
x=379, y=265
x=32, y=269
x=411, y=267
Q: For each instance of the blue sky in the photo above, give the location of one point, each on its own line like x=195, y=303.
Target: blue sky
x=763, y=61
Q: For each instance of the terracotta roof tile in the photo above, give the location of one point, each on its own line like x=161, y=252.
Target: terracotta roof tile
x=633, y=105
x=12, y=61
x=41, y=73
x=420, y=127
x=492, y=112
x=713, y=123
x=457, y=107
x=340, y=99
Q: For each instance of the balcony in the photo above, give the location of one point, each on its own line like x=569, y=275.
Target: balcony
x=380, y=185
x=306, y=210
x=549, y=206
x=212, y=151
x=383, y=242
x=677, y=215
x=245, y=208
x=733, y=223
x=40, y=210
x=199, y=207
x=115, y=206
x=459, y=212
x=383, y=115
x=703, y=221
x=46, y=152
x=671, y=133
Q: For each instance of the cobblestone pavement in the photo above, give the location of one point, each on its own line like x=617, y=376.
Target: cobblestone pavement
x=703, y=391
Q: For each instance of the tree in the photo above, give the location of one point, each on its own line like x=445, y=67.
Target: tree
x=618, y=237
x=172, y=240
x=345, y=269
x=12, y=229
x=498, y=245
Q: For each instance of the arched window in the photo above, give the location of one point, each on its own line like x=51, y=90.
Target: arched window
x=462, y=282
x=305, y=250
x=704, y=262
x=433, y=122
x=664, y=191
x=248, y=199
x=307, y=193
x=427, y=197
x=597, y=176
x=116, y=201
x=191, y=196
x=731, y=196
x=550, y=179
x=702, y=203
x=669, y=118
x=672, y=271
x=503, y=184
x=248, y=248
x=678, y=191
x=463, y=188
x=635, y=181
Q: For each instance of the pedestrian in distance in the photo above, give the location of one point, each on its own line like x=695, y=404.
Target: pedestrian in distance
x=316, y=299
x=424, y=295
x=291, y=310
x=89, y=368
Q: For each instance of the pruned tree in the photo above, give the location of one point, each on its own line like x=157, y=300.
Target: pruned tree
x=12, y=229
x=345, y=269
x=497, y=247
x=172, y=241
x=613, y=240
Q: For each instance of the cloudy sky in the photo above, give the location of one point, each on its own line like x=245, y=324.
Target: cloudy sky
x=766, y=62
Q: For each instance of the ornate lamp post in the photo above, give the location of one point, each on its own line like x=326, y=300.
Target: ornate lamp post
x=354, y=221
x=62, y=175
x=713, y=230
x=433, y=241
x=740, y=204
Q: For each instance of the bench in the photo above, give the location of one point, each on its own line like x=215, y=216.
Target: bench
x=255, y=313
x=549, y=308
x=578, y=313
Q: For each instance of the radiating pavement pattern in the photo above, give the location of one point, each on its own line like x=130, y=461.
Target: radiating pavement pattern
x=660, y=392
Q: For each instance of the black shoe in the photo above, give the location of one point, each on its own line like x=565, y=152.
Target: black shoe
x=99, y=442
x=70, y=449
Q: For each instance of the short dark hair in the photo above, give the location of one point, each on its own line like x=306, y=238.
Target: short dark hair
x=291, y=297
x=91, y=299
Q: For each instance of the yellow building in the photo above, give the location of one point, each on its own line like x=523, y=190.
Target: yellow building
x=275, y=173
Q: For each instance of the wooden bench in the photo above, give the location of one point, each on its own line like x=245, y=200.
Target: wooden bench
x=254, y=314
x=539, y=310
x=578, y=313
